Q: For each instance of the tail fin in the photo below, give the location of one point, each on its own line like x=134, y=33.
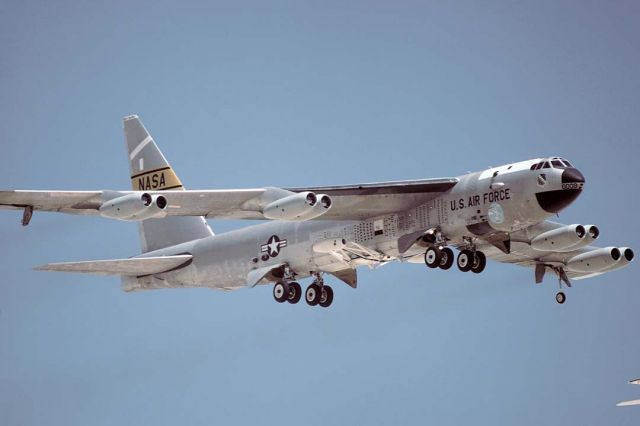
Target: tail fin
x=150, y=171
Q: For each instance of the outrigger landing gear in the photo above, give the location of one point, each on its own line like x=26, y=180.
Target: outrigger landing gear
x=27, y=215
x=562, y=278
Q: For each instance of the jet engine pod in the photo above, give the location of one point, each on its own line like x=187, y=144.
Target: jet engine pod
x=560, y=239
x=595, y=260
x=134, y=207
x=592, y=234
x=625, y=258
x=298, y=206
x=323, y=206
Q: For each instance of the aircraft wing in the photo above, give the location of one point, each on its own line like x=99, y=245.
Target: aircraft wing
x=137, y=266
x=349, y=202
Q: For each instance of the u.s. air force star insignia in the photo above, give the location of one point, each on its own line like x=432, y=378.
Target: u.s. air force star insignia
x=273, y=246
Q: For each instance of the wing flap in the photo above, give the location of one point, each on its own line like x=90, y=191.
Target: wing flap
x=136, y=266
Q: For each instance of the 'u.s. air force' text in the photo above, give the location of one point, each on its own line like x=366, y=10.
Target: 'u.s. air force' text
x=476, y=200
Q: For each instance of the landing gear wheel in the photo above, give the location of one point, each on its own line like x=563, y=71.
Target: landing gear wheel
x=479, y=262
x=432, y=257
x=281, y=291
x=446, y=259
x=326, y=296
x=465, y=260
x=295, y=293
x=560, y=297
x=312, y=295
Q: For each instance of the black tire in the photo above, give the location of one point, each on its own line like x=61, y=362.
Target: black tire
x=281, y=291
x=295, y=293
x=432, y=257
x=479, y=262
x=560, y=297
x=312, y=295
x=447, y=258
x=326, y=296
x=465, y=260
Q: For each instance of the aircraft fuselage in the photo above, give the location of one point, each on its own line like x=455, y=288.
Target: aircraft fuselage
x=498, y=200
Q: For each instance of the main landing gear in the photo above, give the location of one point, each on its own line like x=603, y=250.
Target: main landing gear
x=468, y=260
x=436, y=257
x=474, y=261
x=316, y=294
x=319, y=294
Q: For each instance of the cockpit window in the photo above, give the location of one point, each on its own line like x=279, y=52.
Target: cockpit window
x=558, y=164
x=566, y=162
x=546, y=165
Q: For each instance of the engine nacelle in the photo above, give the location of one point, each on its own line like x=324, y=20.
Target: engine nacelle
x=559, y=239
x=595, y=260
x=626, y=257
x=329, y=246
x=301, y=206
x=135, y=207
x=592, y=234
x=322, y=206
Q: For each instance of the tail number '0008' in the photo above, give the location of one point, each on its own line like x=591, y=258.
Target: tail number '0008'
x=572, y=185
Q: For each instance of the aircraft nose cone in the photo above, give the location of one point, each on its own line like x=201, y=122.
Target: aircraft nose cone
x=554, y=201
x=572, y=175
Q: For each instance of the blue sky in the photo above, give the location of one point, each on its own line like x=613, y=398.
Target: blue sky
x=246, y=94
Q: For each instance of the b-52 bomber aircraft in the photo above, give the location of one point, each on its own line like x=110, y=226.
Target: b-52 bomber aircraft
x=500, y=213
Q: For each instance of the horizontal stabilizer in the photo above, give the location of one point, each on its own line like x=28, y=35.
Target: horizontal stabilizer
x=136, y=266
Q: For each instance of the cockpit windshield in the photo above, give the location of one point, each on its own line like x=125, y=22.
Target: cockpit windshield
x=552, y=163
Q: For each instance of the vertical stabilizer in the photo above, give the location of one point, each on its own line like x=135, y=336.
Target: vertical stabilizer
x=150, y=171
